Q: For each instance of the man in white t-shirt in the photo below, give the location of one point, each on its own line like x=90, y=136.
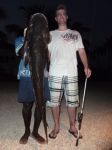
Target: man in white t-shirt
x=63, y=76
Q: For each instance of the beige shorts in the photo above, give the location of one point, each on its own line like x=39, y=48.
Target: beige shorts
x=67, y=86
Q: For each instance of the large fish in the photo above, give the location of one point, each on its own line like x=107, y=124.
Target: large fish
x=37, y=38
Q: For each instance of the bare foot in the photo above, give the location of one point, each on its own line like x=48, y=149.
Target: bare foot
x=75, y=133
x=24, y=138
x=38, y=138
x=53, y=134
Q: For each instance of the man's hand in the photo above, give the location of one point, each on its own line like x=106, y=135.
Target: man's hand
x=87, y=72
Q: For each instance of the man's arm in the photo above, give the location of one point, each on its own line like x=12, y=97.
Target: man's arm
x=19, y=46
x=21, y=52
x=84, y=60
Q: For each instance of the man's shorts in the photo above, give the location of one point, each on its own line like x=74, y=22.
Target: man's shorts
x=26, y=91
x=63, y=85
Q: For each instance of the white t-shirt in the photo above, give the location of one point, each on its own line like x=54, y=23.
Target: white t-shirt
x=62, y=49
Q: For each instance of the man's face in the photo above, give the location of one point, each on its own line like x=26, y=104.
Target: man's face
x=61, y=17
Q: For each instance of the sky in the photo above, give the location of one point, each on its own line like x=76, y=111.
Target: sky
x=94, y=14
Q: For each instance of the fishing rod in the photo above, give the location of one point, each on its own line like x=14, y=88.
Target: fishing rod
x=80, y=114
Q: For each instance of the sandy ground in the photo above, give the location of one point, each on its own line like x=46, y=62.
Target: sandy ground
x=96, y=126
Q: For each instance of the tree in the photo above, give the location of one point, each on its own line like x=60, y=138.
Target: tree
x=15, y=29
x=3, y=15
x=3, y=37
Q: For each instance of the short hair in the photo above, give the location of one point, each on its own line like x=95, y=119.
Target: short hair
x=61, y=6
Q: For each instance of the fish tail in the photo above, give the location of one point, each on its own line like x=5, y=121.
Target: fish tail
x=45, y=122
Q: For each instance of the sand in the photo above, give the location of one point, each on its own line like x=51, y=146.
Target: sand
x=96, y=126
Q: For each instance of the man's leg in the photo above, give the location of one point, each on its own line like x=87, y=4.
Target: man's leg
x=26, y=113
x=37, y=121
x=72, y=118
x=72, y=100
x=56, y=92
x=56, y=118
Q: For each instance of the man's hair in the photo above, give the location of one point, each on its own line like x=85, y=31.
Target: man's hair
x=61, y=6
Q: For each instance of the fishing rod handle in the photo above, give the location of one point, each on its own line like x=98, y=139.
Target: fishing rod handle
x=83, y=99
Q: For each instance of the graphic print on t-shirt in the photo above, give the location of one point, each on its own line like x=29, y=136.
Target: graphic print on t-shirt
x=69, y=36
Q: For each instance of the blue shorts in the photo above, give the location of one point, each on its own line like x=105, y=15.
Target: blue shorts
x=26, y=92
